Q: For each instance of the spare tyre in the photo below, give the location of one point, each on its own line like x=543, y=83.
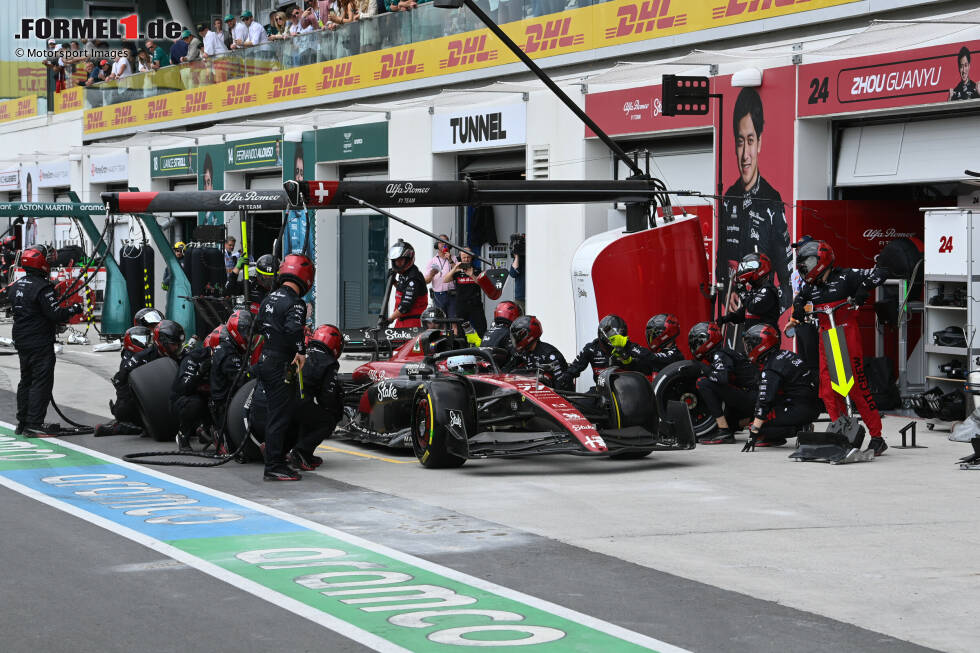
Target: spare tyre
x=238, y=430
x=151, y=384
x=678, y=382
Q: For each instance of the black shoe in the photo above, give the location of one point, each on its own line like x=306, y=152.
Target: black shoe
x=42, y=430
x=721, y=436
x=183, y=443
x=102, y=430
x=203, y=436
x=281, y=473
x=301, y=462
x=878, y=445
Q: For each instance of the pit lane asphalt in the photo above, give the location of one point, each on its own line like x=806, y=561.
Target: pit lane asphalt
x=589, y=535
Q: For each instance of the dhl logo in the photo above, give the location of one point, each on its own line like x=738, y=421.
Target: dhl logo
x=644, y=17
x=286, y=86
x=25, y=107
x=399, y=64
x=70, y=101
x=157, y=109
x=739, y=7
x=4, y=112
x=337, y=75
x=470, y=50
x=550, y=36
x=94, y=120
x=196, y=102
x=238, y=93
x=123, y=115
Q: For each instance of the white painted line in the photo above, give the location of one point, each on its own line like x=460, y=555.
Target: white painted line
x=541, y=604
x=292, y=605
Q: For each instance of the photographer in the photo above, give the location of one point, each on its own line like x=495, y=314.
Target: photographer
x=443, y=294
x=469, y=297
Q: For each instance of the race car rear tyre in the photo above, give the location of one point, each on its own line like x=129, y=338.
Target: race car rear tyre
x=678, y=381
x=235, y=425
x=430, y=432
x=151, y=385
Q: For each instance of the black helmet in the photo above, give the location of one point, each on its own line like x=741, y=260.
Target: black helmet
x=148, y=317
x=430, y=315
x=265, y=271
x=137, y=338
x=612, y=331
x=168, y=336
x=704, y=337
x=662, y=331
x=401, y=255
x=760, y=341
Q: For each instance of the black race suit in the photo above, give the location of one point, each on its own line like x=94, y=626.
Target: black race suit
x=411, y=298
x=664, y=357
x=36, y=319
x=600, y=356
x=322, y=404
x=730, y=381
x=965, y=91
x=543, y=355
x=469, y=302
x=787, y=395
x=282, y=318
x=754, y=221
x=760, y=305
x=498, y=335
x=189, y=393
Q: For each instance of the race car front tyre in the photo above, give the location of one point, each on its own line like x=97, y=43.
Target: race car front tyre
x=678, y=382
x=151, y=385
x=431, y=417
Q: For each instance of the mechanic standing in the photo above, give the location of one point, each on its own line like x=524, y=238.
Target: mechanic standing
x=824, y=285
x=37, y=315
x=728, y=383
x=282, y=321
x=758, y=297
x=411, y=296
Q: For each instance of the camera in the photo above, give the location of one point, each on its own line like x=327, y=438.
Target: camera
x=953, y=370
x=465, y=266
x=517, y=244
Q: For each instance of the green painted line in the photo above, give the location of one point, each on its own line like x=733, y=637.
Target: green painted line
x=17, y=452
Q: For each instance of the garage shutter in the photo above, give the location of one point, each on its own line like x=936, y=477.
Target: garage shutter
x=265, y=182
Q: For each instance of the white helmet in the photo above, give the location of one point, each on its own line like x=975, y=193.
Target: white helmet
x=463, y=364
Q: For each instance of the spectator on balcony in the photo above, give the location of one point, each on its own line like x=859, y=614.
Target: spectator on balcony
x=214, y=42
x=367, y=8
x=315, y=14
x=143, y=62
x=93, y=74
x=256, y=33
x=158, y=56
x=400, y=5
x=123, y=68
x=238, y=31
x=296, y=25
x=278, y=27
x=195, y=47
x=223, y=35
x=70, y=60
x=179, y=49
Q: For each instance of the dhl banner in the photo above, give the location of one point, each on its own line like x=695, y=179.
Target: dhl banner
x=577, y=30
x=70, y=99
x=24, y=107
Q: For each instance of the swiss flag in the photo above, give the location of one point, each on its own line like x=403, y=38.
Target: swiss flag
x=321, y=193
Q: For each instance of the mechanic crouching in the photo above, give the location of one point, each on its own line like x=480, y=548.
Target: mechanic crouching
x=531, y=353
x=166, y=340
x=727, y=387
x=498, y=335
x=230, y=357
x=824, y=285
x=189, y=395
x=662, y=331
x=612, y=348
x=321, y=404
x=37, y=314
x=282, y=321
x=787, y=399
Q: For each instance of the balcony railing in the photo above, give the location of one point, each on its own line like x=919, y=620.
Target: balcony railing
x=366, y=35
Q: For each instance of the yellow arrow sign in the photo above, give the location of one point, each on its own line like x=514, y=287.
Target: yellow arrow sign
x=845, y=384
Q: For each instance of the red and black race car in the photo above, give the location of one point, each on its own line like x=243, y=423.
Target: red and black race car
x=451, y=403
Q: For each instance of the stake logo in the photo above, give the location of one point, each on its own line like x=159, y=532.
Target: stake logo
x=157, y=109
x=123, y=115
x=742, y=7
x=95, y=120
x=196, y=102
x=468, y=51
x=125, y=28
x=338, y=75
x=399, y=64
x=287, y=85
x=238, y=93
x=645, y=17
x=552, y=35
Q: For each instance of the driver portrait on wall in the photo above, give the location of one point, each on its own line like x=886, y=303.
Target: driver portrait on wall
x=967, y=88
x=753, y=217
